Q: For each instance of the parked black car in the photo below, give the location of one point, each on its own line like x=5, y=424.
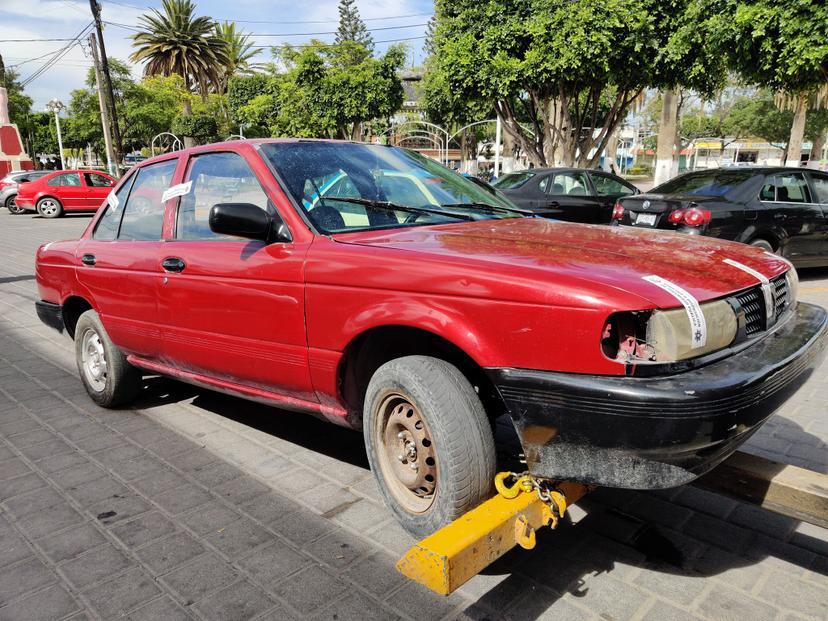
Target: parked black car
x=573, y=194
x=783, y=210
x=9, y=184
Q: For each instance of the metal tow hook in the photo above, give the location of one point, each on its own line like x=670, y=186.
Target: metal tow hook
x=524, y=533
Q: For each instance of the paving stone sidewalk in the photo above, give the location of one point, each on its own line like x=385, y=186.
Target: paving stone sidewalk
x=198, y=505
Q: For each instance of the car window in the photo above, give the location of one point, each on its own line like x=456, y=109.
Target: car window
x=143, y=218
x=107, y=227
x=607, y=186
x=96, y=181
x=820, y=187
x=786, y=188
x=513, y=180
x=66, y=179
x=706, y=183
x=543, y=184
x=216, y=178
x=568, y=184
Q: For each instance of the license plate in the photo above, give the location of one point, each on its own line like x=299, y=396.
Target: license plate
x=647, y=219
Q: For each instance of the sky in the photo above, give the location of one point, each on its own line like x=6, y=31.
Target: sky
x=65, y=19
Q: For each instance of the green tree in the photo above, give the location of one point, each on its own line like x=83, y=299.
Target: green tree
x=572, y=69
x=352, y=28
x=780, y=45
x=177, y=42
x=240, y=52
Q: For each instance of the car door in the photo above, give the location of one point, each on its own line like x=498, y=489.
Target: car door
x=68, y=189
x=97, y=189
x=609, y=189
x=793, y=211
x=819, y=185
x=233, y=309
x=569, y=196
x=119, y=264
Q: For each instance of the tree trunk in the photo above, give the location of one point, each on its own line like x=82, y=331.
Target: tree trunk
x=794, y=151
x=611, y=152
x=816, y=148
x=189, y=141
x=356, y=131
x=666, y=136
x=508, y=154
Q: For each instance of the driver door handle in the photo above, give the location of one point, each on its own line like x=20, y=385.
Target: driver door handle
x=173, y=264
x=88, y=259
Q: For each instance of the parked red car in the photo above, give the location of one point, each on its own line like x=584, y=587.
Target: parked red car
x=407, y=301
x=65, y=190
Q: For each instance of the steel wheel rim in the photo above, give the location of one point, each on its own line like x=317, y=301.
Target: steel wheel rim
x=93, y=360
x=406, y=452
x=48, y=208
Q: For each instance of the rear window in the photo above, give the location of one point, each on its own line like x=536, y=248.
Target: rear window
x=513, y=180
x=707, y=183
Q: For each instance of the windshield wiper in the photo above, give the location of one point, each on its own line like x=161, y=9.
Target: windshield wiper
x=490, y=208
x=395, y=207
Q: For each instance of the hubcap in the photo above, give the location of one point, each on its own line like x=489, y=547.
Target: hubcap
x=406, y=453
x=48, y=208
x=93, y=359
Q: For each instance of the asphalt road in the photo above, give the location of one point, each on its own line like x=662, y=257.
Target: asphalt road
x=192, y=504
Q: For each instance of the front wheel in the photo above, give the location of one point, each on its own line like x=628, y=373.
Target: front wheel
x=49, y=208
x=763, y=244
x=12, y=206
x=429, y=442
x=107, y=376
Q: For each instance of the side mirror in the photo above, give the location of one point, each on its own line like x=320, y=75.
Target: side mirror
x=247, y=220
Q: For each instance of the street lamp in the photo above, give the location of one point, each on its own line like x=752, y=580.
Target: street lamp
x=56, y=105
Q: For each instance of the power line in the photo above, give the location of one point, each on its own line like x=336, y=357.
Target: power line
x=59, y=54
x=32, y=40
x=283, y=34
x=332, y=20
x=333, y=44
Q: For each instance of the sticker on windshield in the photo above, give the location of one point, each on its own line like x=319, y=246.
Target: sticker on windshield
x=698, y=325
x=113, y=201
x=177, y=190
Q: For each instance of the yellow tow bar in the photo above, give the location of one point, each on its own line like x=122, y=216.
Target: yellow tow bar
x=453, y=555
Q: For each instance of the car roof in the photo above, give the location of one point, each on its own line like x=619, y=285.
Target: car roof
x=763, y=170
x=557, y=169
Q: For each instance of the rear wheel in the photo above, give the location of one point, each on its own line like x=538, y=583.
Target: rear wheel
x=763, y=244
x=107, y=376
x=429, y=442
x=12, y=206
x=49, y=207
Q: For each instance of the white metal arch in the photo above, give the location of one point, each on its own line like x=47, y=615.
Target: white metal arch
x=175, y=138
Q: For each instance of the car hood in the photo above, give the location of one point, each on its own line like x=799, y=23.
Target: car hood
x=605, y=257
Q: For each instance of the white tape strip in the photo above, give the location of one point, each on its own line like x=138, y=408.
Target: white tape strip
x=112, y=199
x=177, y=190
x=767, y=290
x=698, y=325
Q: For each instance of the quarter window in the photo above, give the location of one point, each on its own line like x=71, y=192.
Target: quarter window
x=820, y=187
x=216, y=178
x=787, y=188
x=143, y=218
x=66, y=179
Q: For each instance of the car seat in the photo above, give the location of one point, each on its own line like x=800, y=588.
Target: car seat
x=327, y=218
x=577, y=191
x=782, y=194
x=557, y=188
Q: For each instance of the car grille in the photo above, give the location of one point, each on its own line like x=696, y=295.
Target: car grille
x=752, y=302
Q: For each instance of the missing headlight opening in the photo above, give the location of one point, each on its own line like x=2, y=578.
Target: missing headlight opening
x=665, y=335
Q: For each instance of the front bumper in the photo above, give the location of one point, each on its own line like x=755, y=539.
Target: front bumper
x=659, y=432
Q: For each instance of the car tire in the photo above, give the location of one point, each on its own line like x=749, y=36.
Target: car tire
x=107, y=376
x=49, y=207
x=12, y=206
x=422, y=410
x=764, y=244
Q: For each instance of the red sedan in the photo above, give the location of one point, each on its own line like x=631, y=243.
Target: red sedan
x=65, y=190
x=372, y=287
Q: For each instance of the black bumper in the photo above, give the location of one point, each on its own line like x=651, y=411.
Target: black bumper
x=658, y=432
x=50, y=314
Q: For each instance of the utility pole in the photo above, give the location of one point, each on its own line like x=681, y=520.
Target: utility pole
x=111, y=160
x=110, y=94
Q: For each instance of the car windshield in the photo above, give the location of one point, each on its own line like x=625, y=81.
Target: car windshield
x=707, y=183
x=513, y=180
x=351, y=186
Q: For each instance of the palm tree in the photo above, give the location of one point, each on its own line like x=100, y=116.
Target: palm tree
x=239, y=52
x=176, y=42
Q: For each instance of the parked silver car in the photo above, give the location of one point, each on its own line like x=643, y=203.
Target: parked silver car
x=9, y=184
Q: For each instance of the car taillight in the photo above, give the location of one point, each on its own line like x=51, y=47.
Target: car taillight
x=676, y=216
x=618, y=211
x=4, y=184
x=696, y=216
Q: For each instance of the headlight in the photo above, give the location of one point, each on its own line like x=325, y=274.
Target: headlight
x=793, y=287
x=666, y=335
